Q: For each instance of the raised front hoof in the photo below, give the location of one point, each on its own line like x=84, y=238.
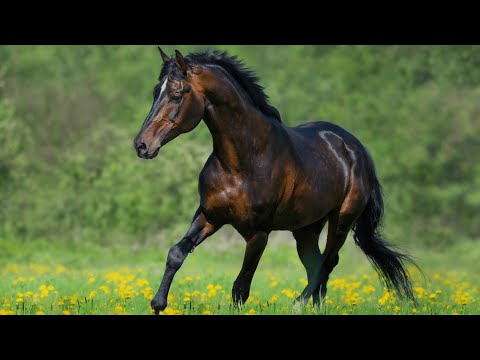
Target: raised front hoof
x=158, y=305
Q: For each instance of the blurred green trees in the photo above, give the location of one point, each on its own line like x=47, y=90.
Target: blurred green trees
x=68, y=116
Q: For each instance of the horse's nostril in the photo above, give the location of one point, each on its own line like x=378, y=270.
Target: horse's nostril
x=142, y=147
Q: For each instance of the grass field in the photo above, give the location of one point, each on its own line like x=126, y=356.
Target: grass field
x=41, y=285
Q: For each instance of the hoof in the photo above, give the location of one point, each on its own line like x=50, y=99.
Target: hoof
x=158, y=305
x=301, y=301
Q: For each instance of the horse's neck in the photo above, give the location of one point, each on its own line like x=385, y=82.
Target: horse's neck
x=238, y=136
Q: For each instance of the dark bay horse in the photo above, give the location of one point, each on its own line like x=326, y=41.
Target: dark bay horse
x=264, y=176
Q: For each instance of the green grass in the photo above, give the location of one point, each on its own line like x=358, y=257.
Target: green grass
x=90, y=280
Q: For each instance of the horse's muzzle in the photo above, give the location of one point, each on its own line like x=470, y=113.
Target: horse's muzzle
x=142, y=150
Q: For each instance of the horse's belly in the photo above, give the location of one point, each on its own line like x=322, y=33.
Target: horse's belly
x=308, y=204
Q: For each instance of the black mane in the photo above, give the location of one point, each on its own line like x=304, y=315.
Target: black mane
x=244, y=77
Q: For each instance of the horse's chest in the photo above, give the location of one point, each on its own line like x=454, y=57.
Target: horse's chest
x=230, y=204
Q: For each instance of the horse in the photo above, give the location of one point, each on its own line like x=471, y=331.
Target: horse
x=264, y=176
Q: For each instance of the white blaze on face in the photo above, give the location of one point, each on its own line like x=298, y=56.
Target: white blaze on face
x=162, y=89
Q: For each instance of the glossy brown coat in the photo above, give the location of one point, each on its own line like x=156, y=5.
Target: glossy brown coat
x=263, y=176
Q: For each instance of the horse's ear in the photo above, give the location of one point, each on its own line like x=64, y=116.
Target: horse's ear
x=164, y=56
x=181, y=63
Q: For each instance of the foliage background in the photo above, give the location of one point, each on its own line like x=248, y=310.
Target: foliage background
x=70, y=179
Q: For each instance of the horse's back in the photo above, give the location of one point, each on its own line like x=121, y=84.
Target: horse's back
x=314, y=129
x=333, y=150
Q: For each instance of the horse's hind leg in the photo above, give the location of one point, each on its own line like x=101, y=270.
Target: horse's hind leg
x=310, y=255
x=339, y=225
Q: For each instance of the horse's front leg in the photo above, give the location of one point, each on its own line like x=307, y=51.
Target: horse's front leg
x=253, y=252
x=199, y=231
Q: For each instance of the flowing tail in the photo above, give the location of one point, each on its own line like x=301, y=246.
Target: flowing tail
x=389, y=263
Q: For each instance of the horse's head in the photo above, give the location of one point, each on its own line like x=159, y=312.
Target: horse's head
x=178, y=106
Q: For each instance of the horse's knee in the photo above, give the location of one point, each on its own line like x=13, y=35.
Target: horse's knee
x=175, y=257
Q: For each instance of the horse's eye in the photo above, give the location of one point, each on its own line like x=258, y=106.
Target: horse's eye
x=176, y=98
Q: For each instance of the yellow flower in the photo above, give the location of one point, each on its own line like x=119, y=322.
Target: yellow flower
x=273, y=283
x=433, y=296
x=142, y=282
x=414, y=310
x=19, y=300
x=92, y=294
x=19, y=295
x=337, y=284
x=170, y=311
x=209, y=287
x=104, y=288
x=386, y=297
x=91, y=280
x=367, y=289
x=396, y=308
x=60, y=302
x=273, y=298
x=66, y=312
x=303, y=282
x=6, y=312
x=288, y=293
x=148, y=293
x=39, y=313
x=188, y=278
x=207, y=312
x=186, y=299
x=251, y=312
x=50, y=287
